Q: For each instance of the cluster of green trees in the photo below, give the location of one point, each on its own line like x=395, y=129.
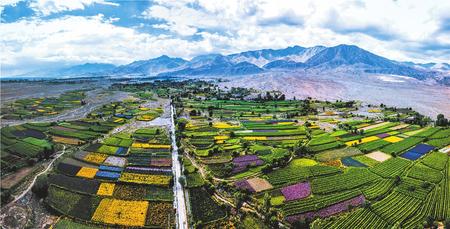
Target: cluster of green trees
x=441, y=120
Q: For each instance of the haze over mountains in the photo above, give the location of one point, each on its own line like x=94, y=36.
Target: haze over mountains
x=341, y=58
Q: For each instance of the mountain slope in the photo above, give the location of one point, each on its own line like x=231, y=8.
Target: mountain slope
x=215, y=65
x=151, y=66
x=347, y=55
x=354, y=57
x=337, y=59
x=264, y=56
x=284, y=64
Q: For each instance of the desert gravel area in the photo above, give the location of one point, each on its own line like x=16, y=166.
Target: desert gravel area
x=428, y=98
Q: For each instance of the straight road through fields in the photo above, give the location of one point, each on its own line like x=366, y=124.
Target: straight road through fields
x=180, y=202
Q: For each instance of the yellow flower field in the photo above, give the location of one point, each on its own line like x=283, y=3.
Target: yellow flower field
x=106, y=189
x=145, y=179
x=223, y=125
x=87, y=172
x=150, y=146
x=286, y=123
x=364, y=140
x=189, y=125
x=64, y=140
x=257, y=138
x=255, y=119
x=144, y=108
x=145, y=117
x=221, y=137
x=119, y=120
x=393, y=139
x=121, y=212
x=96, y=158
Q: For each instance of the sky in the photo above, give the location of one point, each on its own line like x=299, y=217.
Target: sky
x=45, y=34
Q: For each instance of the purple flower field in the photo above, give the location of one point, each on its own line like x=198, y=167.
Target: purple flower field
x=383, y=135
x=245, y=158
x=296, y=191
x=241, y=163
x=328, y=211
x=243, y=184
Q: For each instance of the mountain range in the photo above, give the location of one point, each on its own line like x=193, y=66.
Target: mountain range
x=296, y=58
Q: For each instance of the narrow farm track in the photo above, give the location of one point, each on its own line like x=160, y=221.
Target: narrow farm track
x=180, y=201
x=24, y=192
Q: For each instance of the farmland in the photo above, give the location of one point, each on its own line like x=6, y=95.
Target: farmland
x=275, y=152
x=96, y=175
x=130, y=189
x=35, y=107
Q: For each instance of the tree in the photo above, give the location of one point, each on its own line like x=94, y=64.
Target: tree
x=182, y=180
x=266, y=204
x=238, y=199
x=193, y=113
x=441, y=120
x=397, y=180
x=273, y=222
x=367, y=204
x=40, y=188
x=5, y=196
x=300, y=224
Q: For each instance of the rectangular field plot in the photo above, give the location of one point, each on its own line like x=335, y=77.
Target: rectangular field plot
x=378, y=156
x=348, y=161
x=121, y=212
x=396, y=207
x=353, y=178
x=391, y=167
x=411, y=155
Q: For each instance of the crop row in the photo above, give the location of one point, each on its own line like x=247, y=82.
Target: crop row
x=348, y=180
x=442, y=205
x=435, y=160
x=439, y=142
x=361, y=218
x=327, y=146
x=378, y=188
x=293, y=174
x=396, y=207
x=424, y=173
x=374, y=145
x=414, y=188
x=316, y=202
x=391, y=167
x=425, y=210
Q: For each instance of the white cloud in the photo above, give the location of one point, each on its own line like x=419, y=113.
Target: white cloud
x=389, y=28
x=28, y=44
x=400, y=30
x=47, y=7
